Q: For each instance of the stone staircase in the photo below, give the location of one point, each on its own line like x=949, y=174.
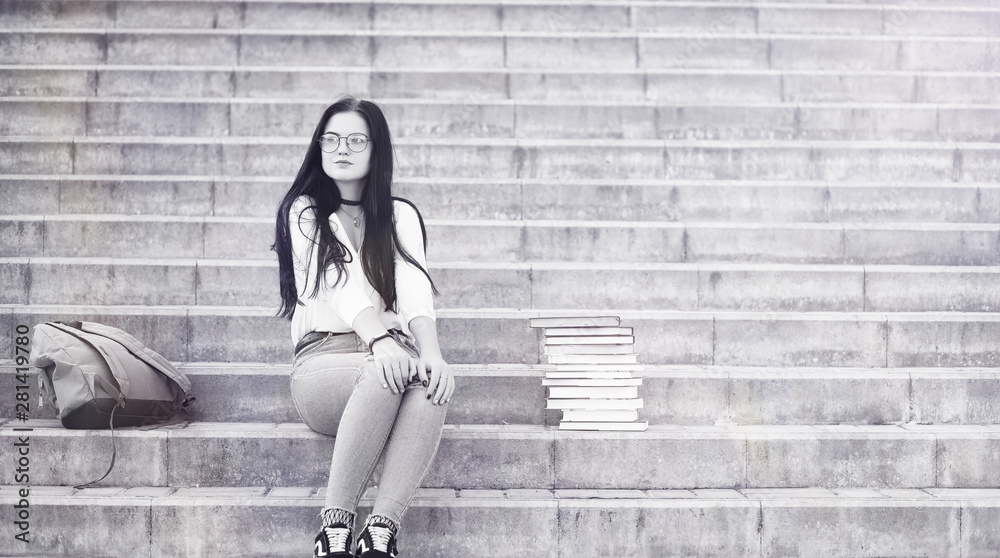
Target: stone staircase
x=796, y=206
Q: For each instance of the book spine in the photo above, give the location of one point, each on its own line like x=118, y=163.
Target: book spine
x=588, y=367
x=588, y=382
x=572, y=415
x=589, y=374
x=602, y=331
x=591, y=340
x=566, y=392
x=593, y=359
x=594, y=404
x=589, y=350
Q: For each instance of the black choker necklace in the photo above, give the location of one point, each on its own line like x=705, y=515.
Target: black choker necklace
x=351, y=203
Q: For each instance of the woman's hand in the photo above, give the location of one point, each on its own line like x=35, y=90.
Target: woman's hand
x=394, y=364
x=435, y=373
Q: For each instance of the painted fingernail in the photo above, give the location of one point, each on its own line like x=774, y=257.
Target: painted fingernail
x=428, y=396
x=424, y=383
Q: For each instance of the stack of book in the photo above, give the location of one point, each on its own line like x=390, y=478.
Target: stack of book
x=592, y=383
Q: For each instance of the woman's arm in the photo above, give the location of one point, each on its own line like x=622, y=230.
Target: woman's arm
x=416, y=306
x=433, y=371
x=394, y=364
x=413, y=289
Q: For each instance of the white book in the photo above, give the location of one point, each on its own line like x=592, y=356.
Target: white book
x=580, y=374
x=586, y=404
x=590, y=367
x=593, y=359
x=571, y=415
x=576, y=321
x=563, y=331
x=592, y=382
x=609, y=426
x=591, y=340
x=589, y=349
x=593, y=392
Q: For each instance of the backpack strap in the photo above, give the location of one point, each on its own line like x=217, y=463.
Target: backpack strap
x=114, y=453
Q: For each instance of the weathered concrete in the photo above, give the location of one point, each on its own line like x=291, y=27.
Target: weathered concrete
x=868, y=528
x=840, y=457
x=564, y=523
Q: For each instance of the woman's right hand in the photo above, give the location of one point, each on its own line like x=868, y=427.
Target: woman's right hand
x=394, y=364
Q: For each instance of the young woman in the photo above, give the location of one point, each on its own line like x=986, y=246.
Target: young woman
x=368, y=366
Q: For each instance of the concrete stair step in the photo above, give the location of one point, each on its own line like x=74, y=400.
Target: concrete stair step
x=529, y=285
x=281, y=522
x=478, y=336
x=521, y=158
x=497, y=49
x=494, y=84
x=534, y=457
x=98, y=116
x=594, y=199
x=673, y=395
x=526, y=241
x=523, y=16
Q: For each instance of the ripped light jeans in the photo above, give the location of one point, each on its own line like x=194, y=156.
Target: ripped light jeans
x=337, y=391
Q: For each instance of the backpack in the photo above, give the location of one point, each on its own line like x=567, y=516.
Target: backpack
x=98, y=376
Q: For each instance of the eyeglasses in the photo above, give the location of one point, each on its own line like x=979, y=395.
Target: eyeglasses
x=330, y=143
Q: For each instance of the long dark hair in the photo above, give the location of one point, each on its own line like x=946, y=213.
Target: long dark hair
x=380, y=243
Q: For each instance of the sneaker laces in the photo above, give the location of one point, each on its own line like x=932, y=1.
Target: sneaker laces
x=338, y=538
x=381, y=537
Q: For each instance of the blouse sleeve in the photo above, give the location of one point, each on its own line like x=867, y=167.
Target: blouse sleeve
x=347, y=297
x=413, y=288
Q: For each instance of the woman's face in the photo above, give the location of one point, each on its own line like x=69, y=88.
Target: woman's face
x=343, y=163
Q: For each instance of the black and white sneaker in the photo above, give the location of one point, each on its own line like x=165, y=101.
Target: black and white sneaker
x=333, y=541
x=377, y=540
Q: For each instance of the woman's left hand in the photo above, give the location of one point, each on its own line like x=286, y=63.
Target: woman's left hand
x=436, y=374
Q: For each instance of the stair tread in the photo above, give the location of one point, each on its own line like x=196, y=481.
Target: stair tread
x=442, y=180
x=528, y=265
x=537, y=371
x=46, y=427
x=568, y=142
x=561, y=103
x=754, y=225
x=679, y=497
x=499, y=34
x=520, y=313
x=504, y=70
x=873, y=6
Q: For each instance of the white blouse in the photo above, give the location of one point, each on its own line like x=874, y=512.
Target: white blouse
x=335, y=307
